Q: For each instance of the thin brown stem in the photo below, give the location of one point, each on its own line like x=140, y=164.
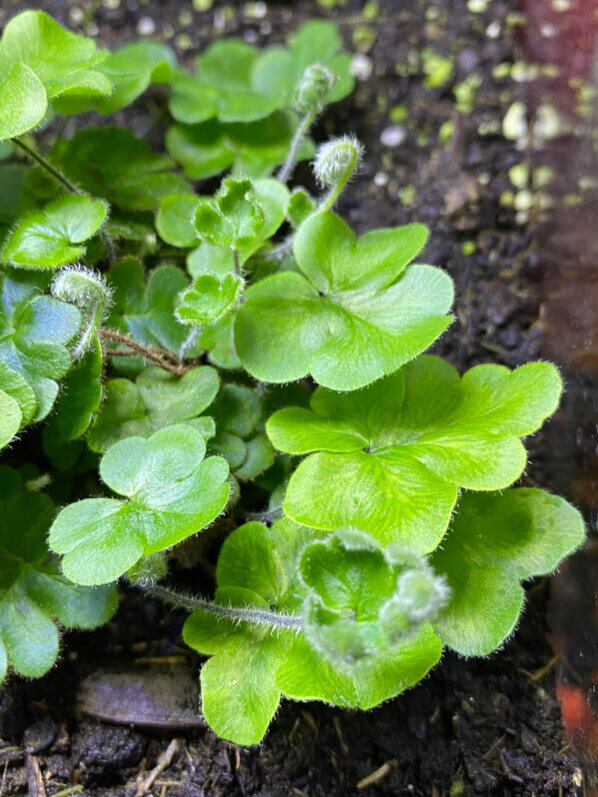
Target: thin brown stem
x=160, y=357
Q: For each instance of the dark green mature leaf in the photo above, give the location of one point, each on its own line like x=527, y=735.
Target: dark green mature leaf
x=252, y=150
x=80, y=398
x=110, y=162
x=155, y=400
x=237, y=411
x=495, y=542
x=32, y=591
x=250, y=667
x=237, y=83
x=131, y=70
x=65, y=63
x=34, y=332
x=23, y=101
x=392, y=457
x=170, y=493
x=51, y=237
x=146, y=311
x=357, y=311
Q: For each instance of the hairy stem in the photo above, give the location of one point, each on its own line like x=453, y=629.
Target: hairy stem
x=287, y=168
x=189, y=342
x=64, y=181
x=247, y=614
x=333, y=194
x=45, y=164
x=92, y=324
x=160, y=357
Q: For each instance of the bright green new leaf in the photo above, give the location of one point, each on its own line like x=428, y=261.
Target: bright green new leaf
x=364, y=602
x=174, y=222
x=156, y=399
x=33, y=593
x=65, y=63
x=51, y=237
x=170, y=493
x=391, y=457
x=251, y=667
x=233, y=218
x=209, y=299
x=146, y=311
x=253, y=150
x=110, y=162
x=23, y=101
x=34, y=332
x=495, y=542
x=10, y=418
x=357, y=312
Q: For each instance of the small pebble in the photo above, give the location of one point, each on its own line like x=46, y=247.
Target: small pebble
x=256, y=10
x=381, y=179
x=146, y=26
x=361, y=66
x=493, y=30
x=393, y=136
x=76, y=15
x=250, y=36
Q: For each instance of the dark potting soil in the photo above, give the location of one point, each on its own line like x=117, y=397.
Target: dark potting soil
x=488, y=726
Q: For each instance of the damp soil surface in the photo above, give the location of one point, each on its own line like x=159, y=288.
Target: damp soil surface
x=488, y=726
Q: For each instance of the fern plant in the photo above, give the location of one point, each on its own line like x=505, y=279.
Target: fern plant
x=186, y=356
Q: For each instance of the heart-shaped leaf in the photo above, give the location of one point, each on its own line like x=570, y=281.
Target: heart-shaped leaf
x=32, y=591
x=357, y=312
x=155, y=400
x=34, y=331
x=23, y=101
x=422, y=432
x=170, y=492
x=495, y=542
x=51, y=237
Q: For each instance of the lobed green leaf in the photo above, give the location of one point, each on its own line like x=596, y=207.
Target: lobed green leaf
x=170, y=493
x=391, y=457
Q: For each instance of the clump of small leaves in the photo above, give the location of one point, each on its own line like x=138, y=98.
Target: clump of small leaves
x=159, y=347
